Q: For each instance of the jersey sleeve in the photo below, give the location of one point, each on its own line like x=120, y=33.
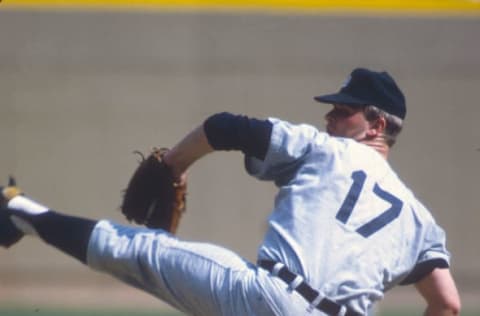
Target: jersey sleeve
x=434, y=254
x=435, y=245
x=289, y=145
x=226, y=131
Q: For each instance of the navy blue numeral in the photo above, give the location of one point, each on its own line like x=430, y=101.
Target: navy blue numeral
x=346, y=209
x=368, y=229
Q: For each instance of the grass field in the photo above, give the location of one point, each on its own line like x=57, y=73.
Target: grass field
x=12, y=311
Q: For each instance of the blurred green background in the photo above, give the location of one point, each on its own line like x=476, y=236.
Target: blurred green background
x=80, y=89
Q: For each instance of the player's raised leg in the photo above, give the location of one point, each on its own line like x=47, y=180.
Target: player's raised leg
x=21, y=215
x=197, y=278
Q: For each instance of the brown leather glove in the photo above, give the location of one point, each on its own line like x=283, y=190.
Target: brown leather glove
x=152, y=197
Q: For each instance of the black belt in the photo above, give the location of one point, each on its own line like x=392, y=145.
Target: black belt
x=312, y=296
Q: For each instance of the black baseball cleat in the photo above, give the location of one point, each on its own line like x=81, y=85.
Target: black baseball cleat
x=9, y=233
x=9, y=192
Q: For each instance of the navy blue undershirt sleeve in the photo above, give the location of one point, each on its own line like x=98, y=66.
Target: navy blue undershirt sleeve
x=226, y=131
x=423, y=269
x=67, y=233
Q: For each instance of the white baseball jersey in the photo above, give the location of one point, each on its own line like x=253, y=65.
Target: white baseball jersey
x=342, y=219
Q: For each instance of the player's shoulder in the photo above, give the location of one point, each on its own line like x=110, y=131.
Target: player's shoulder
x=293, y=127
x=420, y=210
x=412, y=204
x=288, y=132
x=354, y=154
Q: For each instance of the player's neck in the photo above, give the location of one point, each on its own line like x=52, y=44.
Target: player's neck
x=380, y=146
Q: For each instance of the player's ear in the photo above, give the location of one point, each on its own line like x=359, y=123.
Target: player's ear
x=377, y=127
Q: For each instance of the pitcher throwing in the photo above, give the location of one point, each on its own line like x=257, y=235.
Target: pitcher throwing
x=343, y=231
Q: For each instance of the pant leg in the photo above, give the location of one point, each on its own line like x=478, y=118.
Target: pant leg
x=196, y=278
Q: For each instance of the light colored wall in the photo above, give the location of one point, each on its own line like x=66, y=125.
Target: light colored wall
x=79, y=91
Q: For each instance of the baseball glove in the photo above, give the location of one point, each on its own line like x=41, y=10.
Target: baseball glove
x=152, y=197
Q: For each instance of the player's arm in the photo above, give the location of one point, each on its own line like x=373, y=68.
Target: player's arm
x=439, y=290
x=191, y=148
x=71, y=234
x=222, y=131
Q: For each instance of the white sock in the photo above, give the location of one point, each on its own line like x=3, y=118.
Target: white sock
x=23, y=203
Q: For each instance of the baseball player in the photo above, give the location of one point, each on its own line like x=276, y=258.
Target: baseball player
x=343, y=231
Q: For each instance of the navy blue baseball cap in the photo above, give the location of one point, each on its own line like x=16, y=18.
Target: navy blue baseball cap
x=366, y=87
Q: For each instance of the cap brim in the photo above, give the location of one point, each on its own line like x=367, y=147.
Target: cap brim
x=340, y=98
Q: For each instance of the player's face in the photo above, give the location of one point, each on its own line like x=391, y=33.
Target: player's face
x=347, y=121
